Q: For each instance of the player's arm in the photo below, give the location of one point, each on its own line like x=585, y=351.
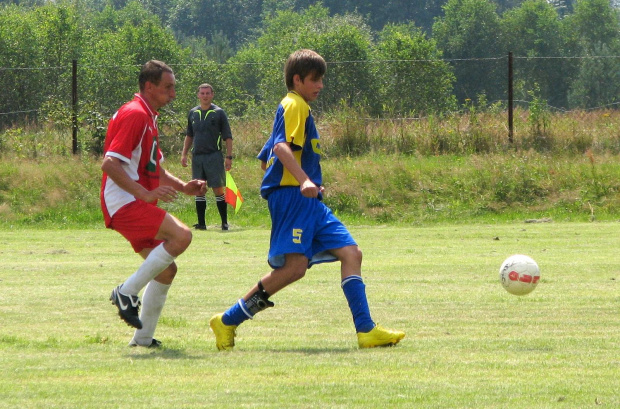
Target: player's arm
x=187, y=144
x=193, y=188
x=226, y=136
x=285, y=154
x=189, y=139
x=113, y=167
x=229, y=154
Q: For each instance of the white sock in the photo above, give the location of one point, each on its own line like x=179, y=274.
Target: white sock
x=153, y=302
x=155, y=263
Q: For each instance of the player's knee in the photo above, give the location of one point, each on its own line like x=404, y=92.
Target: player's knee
x=185, y=237
x=296, y=274
x=180, y=241
x=352, y=255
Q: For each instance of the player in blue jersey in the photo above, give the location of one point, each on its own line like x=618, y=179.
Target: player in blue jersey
x=304, y=230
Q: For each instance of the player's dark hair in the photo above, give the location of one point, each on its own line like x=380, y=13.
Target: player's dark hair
x=303, y=63
x=152, y=72
x=205, y=85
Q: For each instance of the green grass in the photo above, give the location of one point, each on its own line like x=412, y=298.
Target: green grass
x=372, y=189
x=469, y=343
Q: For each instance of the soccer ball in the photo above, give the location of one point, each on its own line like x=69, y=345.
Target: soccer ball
x=519, y=274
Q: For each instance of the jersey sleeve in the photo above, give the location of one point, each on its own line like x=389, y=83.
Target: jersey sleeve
x=295, y=115
x=128, y=130
x=264, y=153
x=225, y=126
x=190, y=129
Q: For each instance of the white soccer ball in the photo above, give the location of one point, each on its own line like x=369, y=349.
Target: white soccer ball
x=519, y=274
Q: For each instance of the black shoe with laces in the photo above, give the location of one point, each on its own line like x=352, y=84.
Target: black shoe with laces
x=225, y=227
x=200, y=227
x=128, y=307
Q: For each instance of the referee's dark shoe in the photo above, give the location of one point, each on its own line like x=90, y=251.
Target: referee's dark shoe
x=200, y=227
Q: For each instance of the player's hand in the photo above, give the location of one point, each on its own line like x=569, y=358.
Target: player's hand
x=184, y=161
x=163, y=193
x=309, y=189
x=195, y=187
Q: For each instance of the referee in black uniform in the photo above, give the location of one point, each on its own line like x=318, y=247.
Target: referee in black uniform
x=207, y=127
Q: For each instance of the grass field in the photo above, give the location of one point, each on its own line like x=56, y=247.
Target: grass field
x=469, y=343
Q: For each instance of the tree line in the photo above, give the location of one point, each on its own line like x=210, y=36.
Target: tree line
x=402, y=59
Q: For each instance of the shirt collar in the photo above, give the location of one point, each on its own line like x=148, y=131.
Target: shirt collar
x=146, y=105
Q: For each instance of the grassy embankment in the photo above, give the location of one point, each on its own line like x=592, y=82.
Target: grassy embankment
x=457, y=169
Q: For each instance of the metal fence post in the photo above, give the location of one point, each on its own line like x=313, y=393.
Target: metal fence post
x=74, y=100
x=510, y=99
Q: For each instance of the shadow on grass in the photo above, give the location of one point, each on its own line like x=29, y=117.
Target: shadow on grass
x=160, y=353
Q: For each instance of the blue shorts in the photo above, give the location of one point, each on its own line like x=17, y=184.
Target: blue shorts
x=303, y=225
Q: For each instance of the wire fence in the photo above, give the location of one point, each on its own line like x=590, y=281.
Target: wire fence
x=560, y=84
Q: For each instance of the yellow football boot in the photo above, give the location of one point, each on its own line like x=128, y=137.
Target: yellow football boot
x=379, y=337
x=224, y=334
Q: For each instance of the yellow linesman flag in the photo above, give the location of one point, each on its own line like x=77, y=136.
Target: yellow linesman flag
x=233, y=194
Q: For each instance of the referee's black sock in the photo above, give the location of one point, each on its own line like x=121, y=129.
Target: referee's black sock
x=222, y=208
x=201, y=208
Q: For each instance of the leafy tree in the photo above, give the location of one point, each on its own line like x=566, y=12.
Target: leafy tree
x=59, y=35
x=598, y=82
x=595, y=28
x=19, y=55
x=271, y=7
x=597, y=22
x=38, y=46
x=412, y=75
x=379, y=13
x=345, y=43
x=563, y=7
x=257, y=68
x=109, y=67
x=237, y=20
x=503, y=5
x=470, y=34
x=219, y=49
x=533, y=32
x=188, y=77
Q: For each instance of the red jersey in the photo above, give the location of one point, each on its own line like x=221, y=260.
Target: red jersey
x=132, y=138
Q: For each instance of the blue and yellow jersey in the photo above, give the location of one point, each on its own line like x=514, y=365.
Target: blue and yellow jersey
x=293, y=124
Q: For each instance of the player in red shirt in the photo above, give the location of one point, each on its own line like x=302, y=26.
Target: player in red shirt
x=133, y=181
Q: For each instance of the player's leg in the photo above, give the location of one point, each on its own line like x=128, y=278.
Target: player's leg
x=369, y=334
x=353, y=286
x=174, y=238
x=150, y=227
x=153, y=301
x=257, y=299
x=201, y=201
x=216, y=179
x=201, y=210
x=291, y=240
x=222, y=206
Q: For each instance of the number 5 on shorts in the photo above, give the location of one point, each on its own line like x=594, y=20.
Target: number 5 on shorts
x=297, y=235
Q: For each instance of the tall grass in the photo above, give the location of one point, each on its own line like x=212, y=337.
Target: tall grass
x=350, y=132
x=372, y=189
x=434, y=169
